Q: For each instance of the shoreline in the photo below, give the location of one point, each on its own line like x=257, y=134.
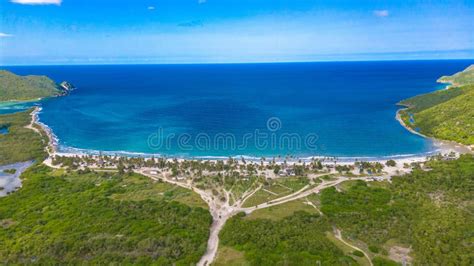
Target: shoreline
x=441, y=147
x=21, y=101
x=447, y=145
x=52, y=139
x=400, y=159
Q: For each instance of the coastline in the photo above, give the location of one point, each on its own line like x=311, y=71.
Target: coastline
x=52, y=139
x=440, y=147
x=445, y=145
x=450, y=84
x=54, y=150
x=21, y=101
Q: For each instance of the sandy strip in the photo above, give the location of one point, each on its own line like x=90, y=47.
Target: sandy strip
x=441, y=147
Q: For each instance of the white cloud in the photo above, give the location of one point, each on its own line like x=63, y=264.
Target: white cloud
x=5, y=35
x=202, y=1
x=151, y=8
x=37, y=2
x=381, y=13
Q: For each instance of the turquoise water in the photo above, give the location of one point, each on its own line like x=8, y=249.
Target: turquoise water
x=333, y=109
x=13, y=107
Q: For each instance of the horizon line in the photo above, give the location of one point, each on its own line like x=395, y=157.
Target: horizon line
x=240, y=63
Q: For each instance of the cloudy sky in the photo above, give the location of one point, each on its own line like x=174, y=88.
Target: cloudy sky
x=205, y=31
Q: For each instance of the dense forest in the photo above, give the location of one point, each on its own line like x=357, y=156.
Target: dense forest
x=60, y=217
x=445, y=114
x=429, y=212
x=298, y=239
x=25, y=88
x=20, y=144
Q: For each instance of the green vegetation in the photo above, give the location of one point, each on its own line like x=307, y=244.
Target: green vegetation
x=10, y=171
x=445, y=114
x=227, y=256
x=379, y=261
x=368, y=204
x=348, y=250
x=259, y=197
x=137, y=188
x=277, y=188
x=425, y=214
x=98, y=218
x=299, y=239
x=76, y=217
x=459, y=79
x=374, y=249
x=27, y=88
x=85, y=217
x=281, y=211
x=431, y=211
x=425, y=101
x=20, y=144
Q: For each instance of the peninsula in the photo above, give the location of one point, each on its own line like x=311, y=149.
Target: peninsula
x=445, y=114
x=29, y=88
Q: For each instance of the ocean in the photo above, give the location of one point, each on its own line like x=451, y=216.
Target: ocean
x=344, y=109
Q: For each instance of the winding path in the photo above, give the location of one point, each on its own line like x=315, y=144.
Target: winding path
x=338, y=235
x=222, y=211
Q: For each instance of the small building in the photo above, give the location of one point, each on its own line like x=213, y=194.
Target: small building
x=290, y=172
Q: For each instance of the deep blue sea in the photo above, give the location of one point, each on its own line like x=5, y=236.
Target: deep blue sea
x=302, y=109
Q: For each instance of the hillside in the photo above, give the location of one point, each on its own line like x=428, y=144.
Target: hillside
x=25, y=88
x=92, y=218
x=459, y=79
x=446, y=114
x=20, y=144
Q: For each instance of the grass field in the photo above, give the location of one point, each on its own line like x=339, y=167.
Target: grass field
x=136, y=188
x=281, y=211
x=276, y=189
x=227, y=256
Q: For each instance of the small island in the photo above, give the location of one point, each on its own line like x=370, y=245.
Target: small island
x=30, y=88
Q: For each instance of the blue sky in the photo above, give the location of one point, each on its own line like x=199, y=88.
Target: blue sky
x=222, y=31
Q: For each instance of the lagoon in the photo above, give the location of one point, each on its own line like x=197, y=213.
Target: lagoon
x=9, y=182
